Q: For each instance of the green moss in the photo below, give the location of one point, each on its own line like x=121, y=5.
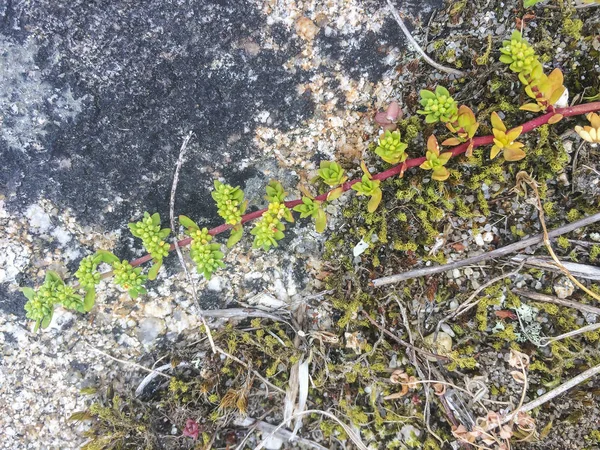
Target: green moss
x=563, y=242
x=405, y=246
x=549, y=209
x=483, y=204
x=508, y=334
x=572, y=28
x=539, y=366
x=595, y=252
x=573, y=215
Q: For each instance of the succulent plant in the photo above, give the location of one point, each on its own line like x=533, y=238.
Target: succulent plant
x=505, y=141
x=369, y=187
x=230, y=202
x=208, y=257
x=518, y=54
x=269, y=229
x=152, y=236
x=40, y=304
x=438, y=106
x=129, y=278
x=87, y=273
x=465, y=127
x=590, y=133
x=390, y=148
x=435, y=160
x=312, y=208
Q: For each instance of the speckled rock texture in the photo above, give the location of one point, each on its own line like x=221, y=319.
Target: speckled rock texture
x=95, y=99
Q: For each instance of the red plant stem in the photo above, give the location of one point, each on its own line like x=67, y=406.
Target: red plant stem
x=458, y=150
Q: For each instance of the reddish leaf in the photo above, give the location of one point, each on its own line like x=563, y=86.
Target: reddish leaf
x=506, y=314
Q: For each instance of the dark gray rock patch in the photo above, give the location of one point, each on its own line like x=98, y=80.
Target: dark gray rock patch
x=120, y=83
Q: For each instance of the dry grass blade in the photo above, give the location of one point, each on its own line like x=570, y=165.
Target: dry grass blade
x=175, y=241
x=499, y=252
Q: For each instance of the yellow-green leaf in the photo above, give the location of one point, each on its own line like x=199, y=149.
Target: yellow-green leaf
x=555, y=118
x=532, y=107
x=334, y=194
x=374, y=201
x=451, y=142
x=153, y=272
x=320, y=221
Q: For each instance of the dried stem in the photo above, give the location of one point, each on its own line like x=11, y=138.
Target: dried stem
x=497, y=253
x=122, y=361
x=417, y=47
x=176, y=245
x=559, y=301
x=549, y=395
x=523, y=177
x=404, y=343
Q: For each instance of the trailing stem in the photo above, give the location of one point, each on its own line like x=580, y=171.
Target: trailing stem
x=398, y=169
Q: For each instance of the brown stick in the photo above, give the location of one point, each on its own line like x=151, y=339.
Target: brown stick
x=503, y=251
x=559, y=301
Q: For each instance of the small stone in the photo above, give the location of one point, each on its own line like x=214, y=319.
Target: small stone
x=150, y=328
x=468, y=272
x=214, y=284
x=488, y=237
x=158, y=308
x=564, y=288
x=306, y=29
x=453, y=305
x=442, y=345
x=479, y=240
x=456, y=273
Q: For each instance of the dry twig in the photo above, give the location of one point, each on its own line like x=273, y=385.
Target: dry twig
x=404, y=343
x=417, y=47
x=559, y=301
x=503, y=251
x=175, y=242
x=122, y=361
x=549, y=395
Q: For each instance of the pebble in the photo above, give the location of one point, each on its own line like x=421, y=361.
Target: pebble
x=150, y=328
x=479, y=240
x=456, y=273
x=564, y=288
x=215, y=284
x=158, y=308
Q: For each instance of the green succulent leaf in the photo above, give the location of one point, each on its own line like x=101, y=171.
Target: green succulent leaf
x=46, y=321
x=331, y=173
x=230, y=202
x=320, y=220
x=89, y=300
x=28, y=292
x=152, y=236
x=188, y=223
x=235, y=236
x=153, y=272
x=106, y=256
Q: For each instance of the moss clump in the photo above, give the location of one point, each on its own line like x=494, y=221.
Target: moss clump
x=595, y=252
x=572, y=28
x=563, y=242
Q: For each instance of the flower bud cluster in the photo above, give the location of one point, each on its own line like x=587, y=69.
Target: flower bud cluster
x=208, y=257
x=149, y=231
x=230, y=202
